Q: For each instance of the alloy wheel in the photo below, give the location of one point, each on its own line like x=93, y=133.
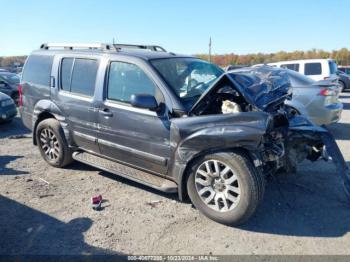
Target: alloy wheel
x=49, y=144
x=217, y=185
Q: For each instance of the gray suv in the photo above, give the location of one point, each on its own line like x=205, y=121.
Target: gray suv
x=175, y=123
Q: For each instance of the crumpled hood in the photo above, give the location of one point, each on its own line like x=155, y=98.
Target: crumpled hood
x=261, y=86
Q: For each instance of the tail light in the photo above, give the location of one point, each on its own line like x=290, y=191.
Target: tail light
x=20, y=102
x=327, y=92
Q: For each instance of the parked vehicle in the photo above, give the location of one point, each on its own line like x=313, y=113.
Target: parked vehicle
x=233, y=67
x=137, y=114
x=344, y=69
x=317, y=69
x=318, y=100
x=344, y=81
x=7, y=108
x=9, y=84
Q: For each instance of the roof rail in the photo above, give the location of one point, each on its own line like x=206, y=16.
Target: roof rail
x=98, y=46
x=156, y=48
x=71, y=46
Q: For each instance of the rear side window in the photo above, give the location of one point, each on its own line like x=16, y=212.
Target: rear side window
x=38, y=70
x=294, y=67
x=127, y=79
x=313, y=69
x=78, y=75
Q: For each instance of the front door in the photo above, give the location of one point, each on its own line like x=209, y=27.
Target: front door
x=137, y=137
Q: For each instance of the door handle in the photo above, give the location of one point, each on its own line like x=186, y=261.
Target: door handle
x=105, y=112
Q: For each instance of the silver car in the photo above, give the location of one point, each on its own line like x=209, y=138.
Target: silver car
x=318, y=100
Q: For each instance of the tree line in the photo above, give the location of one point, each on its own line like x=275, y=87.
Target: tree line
x=10, y=61
x=341, y=56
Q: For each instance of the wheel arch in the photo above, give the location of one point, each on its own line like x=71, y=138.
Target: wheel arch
x=182, y=180
x=42, y=116
x=46, y=109
x=345, y=87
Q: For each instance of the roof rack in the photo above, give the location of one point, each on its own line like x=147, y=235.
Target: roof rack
x=156, y=48
x=98, y=46
x=71, y=46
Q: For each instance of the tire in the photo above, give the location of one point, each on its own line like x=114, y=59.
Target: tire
x=249, y=187
x=52, y=143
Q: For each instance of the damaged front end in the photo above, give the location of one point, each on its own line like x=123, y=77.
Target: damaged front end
x=289, y=138
x=286, y=146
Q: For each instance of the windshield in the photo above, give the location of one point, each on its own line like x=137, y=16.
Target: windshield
x=188, y=77
x=11, y=78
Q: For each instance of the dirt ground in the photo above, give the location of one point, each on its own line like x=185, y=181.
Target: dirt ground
x=44, y=210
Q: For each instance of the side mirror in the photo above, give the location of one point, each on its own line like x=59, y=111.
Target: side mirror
x=144, y=101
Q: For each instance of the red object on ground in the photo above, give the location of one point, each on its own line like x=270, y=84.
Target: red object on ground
x=96, y=200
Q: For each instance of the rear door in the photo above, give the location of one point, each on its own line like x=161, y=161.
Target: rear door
x=137, y=137
x=75, y=97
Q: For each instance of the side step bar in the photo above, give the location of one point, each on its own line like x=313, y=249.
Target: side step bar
x=136, y=175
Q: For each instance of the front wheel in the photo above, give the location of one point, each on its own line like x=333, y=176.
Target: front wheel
x=226, y=187
x=52, y=143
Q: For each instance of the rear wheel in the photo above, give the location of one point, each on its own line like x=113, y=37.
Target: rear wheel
x=52, y=143
x=226, y=187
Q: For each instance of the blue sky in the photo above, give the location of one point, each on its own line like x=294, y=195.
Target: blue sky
x=180, y=26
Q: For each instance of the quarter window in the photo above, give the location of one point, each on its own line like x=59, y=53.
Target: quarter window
x=313, y=69
x=78, y=75
x=126, y=79
x=38, y=70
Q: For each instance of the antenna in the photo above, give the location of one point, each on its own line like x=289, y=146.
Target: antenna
x=210, y=49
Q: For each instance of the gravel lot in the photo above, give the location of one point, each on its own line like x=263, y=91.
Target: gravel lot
x=44, y=210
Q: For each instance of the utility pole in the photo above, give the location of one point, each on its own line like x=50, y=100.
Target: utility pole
x=210, y=49
x=113, y=41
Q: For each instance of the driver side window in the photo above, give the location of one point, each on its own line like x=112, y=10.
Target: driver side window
x=126, y=79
